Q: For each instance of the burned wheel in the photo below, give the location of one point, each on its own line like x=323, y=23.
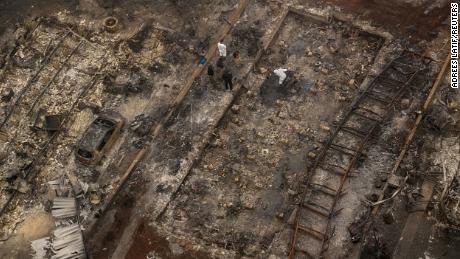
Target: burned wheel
x=110, y=24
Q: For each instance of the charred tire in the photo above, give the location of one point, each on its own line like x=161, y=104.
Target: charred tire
x=110, y=24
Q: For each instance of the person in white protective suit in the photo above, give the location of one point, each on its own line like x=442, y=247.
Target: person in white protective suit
x=281, y=73
x=222, y=48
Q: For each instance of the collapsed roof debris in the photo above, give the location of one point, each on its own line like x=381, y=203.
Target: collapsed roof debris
x=67, y=243
x=64, y=208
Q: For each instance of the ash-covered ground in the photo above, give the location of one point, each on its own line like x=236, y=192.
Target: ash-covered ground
x=220, y=172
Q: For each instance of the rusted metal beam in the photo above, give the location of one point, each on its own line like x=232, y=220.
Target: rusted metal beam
x=410, y=137
x=327, y=166
x=346, y=173
x=369, y=111
x=316, y=205
x=377, y=98
x=362, y=145
x=367, y=117
x=305, y=252
x=312, y=232
x=313, y=209
x=418, y=120
x=325, y=189
x=354, y=132
x=323, y=186
x=344, y=149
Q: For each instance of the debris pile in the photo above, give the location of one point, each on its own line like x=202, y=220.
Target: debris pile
x=249, y=36
x=126, y=81
x=240, y=195
x=67, y=240
x=447, y=164
x=271, y=128
x=142, y=124
x=450, y=202
x=64, y=207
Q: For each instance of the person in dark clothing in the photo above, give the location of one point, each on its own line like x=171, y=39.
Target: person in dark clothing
x=211, y=75
x=220, y=62
x=228, y=77
x=210, y=70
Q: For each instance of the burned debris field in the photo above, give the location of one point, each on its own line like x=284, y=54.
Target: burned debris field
x=228, y=129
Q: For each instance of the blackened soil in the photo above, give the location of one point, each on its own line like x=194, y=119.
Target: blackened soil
x=14, y=11
x=148, y=240
x=397, y=16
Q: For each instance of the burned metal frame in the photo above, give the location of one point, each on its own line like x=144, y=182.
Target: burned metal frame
x=43, y=63
x=51, y=81
x=368, y=95
x=403, y=154
x=44, y=149
x=29, y=169
x=33, y=79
